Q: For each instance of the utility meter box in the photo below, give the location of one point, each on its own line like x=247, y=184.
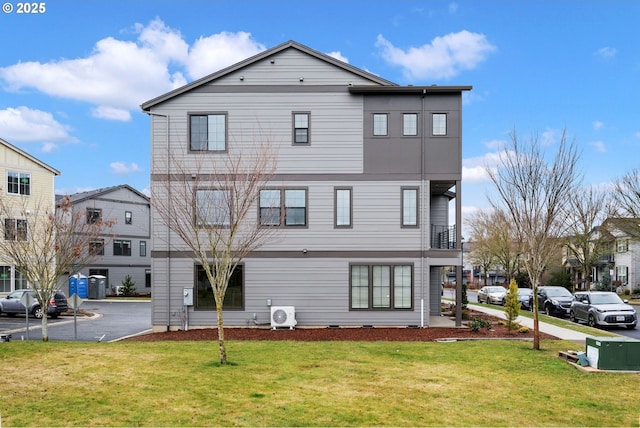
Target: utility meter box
x=613, y=353
x=188, y=297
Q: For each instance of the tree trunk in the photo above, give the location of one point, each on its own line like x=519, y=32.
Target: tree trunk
x=45, y=328
x=223, y=350
x=536, y=326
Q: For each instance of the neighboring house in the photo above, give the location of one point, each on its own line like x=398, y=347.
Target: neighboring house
x=369, y=169
x=27, y=183
x=126, y=249
x=617, y=256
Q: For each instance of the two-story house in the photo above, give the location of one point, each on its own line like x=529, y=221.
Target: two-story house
x=126, y=248
x=368, y=172
x=27, y=189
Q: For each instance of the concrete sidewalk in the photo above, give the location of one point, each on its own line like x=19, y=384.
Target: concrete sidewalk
x=559, y=332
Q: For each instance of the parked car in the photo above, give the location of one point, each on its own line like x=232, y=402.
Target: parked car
x=524, y=294
x=12, y=304
x=553, y=300
x=602, y=308
x=492, y=294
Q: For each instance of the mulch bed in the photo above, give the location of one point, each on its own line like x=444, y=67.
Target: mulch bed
x=428, y=334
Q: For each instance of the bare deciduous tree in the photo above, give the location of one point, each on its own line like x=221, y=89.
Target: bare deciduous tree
x=534, y=194
x=625, y=200
x=586, y=212
x=211, y=204
x=47, y=243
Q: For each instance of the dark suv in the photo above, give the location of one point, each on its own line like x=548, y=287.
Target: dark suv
x=12, y=304
x=553, y=300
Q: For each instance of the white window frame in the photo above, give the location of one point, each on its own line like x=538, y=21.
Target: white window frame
x=301, y=122
x=343, y=203
x=22, y=188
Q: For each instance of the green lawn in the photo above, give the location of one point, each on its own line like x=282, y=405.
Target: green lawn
x=481, y=383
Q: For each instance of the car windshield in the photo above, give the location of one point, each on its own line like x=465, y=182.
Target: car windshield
x=495, y=289
x=605, y=299
x=558, y=292
x=524, y=291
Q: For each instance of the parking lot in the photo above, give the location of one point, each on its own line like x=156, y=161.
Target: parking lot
x=108, y=320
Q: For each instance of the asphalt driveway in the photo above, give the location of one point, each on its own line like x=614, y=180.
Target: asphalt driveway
x=111, y=320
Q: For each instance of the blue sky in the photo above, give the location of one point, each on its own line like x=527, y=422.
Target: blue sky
x=72, y=78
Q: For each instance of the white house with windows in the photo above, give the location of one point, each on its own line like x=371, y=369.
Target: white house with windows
x=368, y=172
x=27, y=183
x=125, y=251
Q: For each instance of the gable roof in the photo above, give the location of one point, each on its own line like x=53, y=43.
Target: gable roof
x=90, y=194
x=28, y=156
x=259, y=57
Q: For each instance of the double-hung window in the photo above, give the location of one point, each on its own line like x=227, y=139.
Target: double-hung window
x=410, y=124
x=301, y=126
x=283, y=207
x=121, y=247
x=128, y=217
x=409, y=212
x=15, y=229
x=380, y=287
x=18, y=183
x=96, y=247
x=143, y=248
x=439, y=124
x=343, y=207
x=208, y=132
x=94, y=215
x=380, y=124
x=213, y=207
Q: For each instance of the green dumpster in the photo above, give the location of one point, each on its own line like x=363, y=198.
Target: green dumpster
x=613, y=353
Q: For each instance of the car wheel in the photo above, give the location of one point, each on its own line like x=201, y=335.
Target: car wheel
x=592, y=321
x=38, y=312
x=547, y=310
x=504, y=302
x=572, y=317
x=54, y=315
x=631, y=327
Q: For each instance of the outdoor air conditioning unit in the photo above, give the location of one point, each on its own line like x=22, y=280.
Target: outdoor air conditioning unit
x=283, y=316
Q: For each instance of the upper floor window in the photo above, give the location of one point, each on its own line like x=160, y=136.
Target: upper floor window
x=18, y=183
x=121, y=247
x=622, y=245
x=287, y=207
x=409, y=207
x=94, y=215
x=143, y=248
x=96, y=247
x=343, y=207
x=380, y=127
x=439, y=124
x=213, y=207
x=128, y=217
x=301, y=122
x=208, y=132
x=410, y=124
x=15, y=229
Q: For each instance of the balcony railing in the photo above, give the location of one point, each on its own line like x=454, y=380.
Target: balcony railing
x=443, y=237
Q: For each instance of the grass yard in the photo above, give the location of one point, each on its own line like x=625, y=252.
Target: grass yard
x=284, y=383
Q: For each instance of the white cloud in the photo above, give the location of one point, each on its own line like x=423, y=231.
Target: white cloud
x=121, y=168
x=111, y=113
x=212, y=53
x=337, y=55
x=597, y=125
x=475, y=174
x=27, y=125
x=606, y=52
x=443, y=58
x=118, y=75
x=599, y=146
x=637, y=135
